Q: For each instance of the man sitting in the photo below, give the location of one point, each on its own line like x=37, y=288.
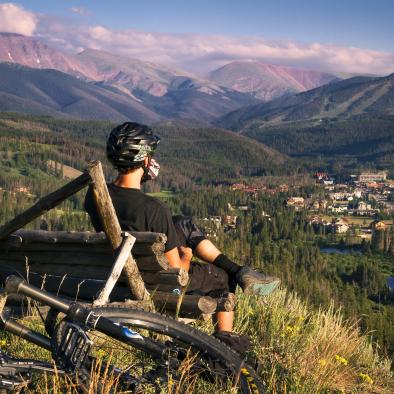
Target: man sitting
x=130, y=148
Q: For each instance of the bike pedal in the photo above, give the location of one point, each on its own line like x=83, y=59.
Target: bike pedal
x=70, y=345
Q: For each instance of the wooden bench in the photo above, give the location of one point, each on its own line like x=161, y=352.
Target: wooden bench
x=81, y=264
x=77, y=265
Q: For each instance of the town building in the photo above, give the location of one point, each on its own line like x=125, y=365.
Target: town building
x=230, y=221
x=366, y=177
x=296, y=202
x=378, y=225
x=364, y=206
x=340, y=225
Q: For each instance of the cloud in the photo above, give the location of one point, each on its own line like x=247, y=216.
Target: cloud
x=193, y=52
x=15, y=19
x=80, y=10
x=201, y=53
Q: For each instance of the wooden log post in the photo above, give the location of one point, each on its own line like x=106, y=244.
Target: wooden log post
x=3, y=300
x=45, y=204
x=112, y=229
x=177, y=277
x=193, y=305
x=87, y=237
x=226, y=303
x=125, y=249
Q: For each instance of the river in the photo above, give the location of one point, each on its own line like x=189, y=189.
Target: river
x=331, y=250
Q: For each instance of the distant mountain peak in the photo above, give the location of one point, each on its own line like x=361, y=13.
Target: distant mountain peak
x=268, y=81
x=29, y=51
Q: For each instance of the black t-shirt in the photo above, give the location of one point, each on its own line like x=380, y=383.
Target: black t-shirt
x=136, y=211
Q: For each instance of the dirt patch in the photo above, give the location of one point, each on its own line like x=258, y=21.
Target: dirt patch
x=25, y=125
x=68, y=172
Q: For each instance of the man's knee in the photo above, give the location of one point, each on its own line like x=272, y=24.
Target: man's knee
x=208, y=279
x=188, y=232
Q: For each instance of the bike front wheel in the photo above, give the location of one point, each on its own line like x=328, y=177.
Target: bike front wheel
x=190, y=360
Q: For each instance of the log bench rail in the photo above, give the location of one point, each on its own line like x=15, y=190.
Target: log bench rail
x=101, y=268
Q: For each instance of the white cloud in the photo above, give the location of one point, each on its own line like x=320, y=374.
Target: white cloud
x=80, y=10
x=200, y=53
x=193, y=52
x=15, y=19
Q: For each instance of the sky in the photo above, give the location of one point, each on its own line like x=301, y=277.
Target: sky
x=343, y=36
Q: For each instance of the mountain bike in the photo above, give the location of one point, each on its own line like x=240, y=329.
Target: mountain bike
x=138, y=351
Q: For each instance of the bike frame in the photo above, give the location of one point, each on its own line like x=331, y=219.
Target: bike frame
x=75, y=312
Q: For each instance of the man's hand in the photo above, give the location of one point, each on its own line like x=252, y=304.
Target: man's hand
x=179, y=257
x=185, y=253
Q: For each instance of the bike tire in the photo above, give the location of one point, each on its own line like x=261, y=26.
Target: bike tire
x=206, y=345
x=23, y=371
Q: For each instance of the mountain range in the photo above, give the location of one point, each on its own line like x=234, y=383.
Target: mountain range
x=51, y=92
x=339, y=100
x=152, y=90
x=350, y=118
x=148, y=88
x=268, y=81
x=347, y=123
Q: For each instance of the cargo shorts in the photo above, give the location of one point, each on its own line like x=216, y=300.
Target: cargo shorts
x=205, y=278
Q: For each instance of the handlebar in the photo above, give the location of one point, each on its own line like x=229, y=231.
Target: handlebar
x=16, y=285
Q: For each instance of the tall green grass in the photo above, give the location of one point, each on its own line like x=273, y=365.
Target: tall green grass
x=298, y=350
x=306, y=351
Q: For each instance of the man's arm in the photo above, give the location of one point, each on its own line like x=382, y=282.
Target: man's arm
x=179, y=257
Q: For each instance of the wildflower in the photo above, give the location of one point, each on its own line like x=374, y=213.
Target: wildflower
x=323, y=362
x=3, y=342
x=101, y=353
x=341, y=360
x=289, y=329
x=365, y=378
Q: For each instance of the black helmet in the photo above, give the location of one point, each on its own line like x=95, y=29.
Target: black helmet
x=128, y=145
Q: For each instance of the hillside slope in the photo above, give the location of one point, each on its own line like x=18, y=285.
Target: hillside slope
x=187, y=155
x=30, y=52
x=208, y=155
x=268, y=81
x=339, y=100
x=50, y=92
x=129, y=74
x=349, y=122
x=168, y=92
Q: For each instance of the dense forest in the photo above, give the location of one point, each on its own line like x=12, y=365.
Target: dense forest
x=360, y=142
x=188, y=155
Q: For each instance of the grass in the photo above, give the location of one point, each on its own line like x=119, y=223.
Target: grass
x=361, y=221
x=302, y=351
x=68, y=172
x=299, y=350
x=163, y=194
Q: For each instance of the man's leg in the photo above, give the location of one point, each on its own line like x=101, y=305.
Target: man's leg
x=223, y=321
x=251, y=281
x=206, y=279
x=212, y=278
x=207, y=251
